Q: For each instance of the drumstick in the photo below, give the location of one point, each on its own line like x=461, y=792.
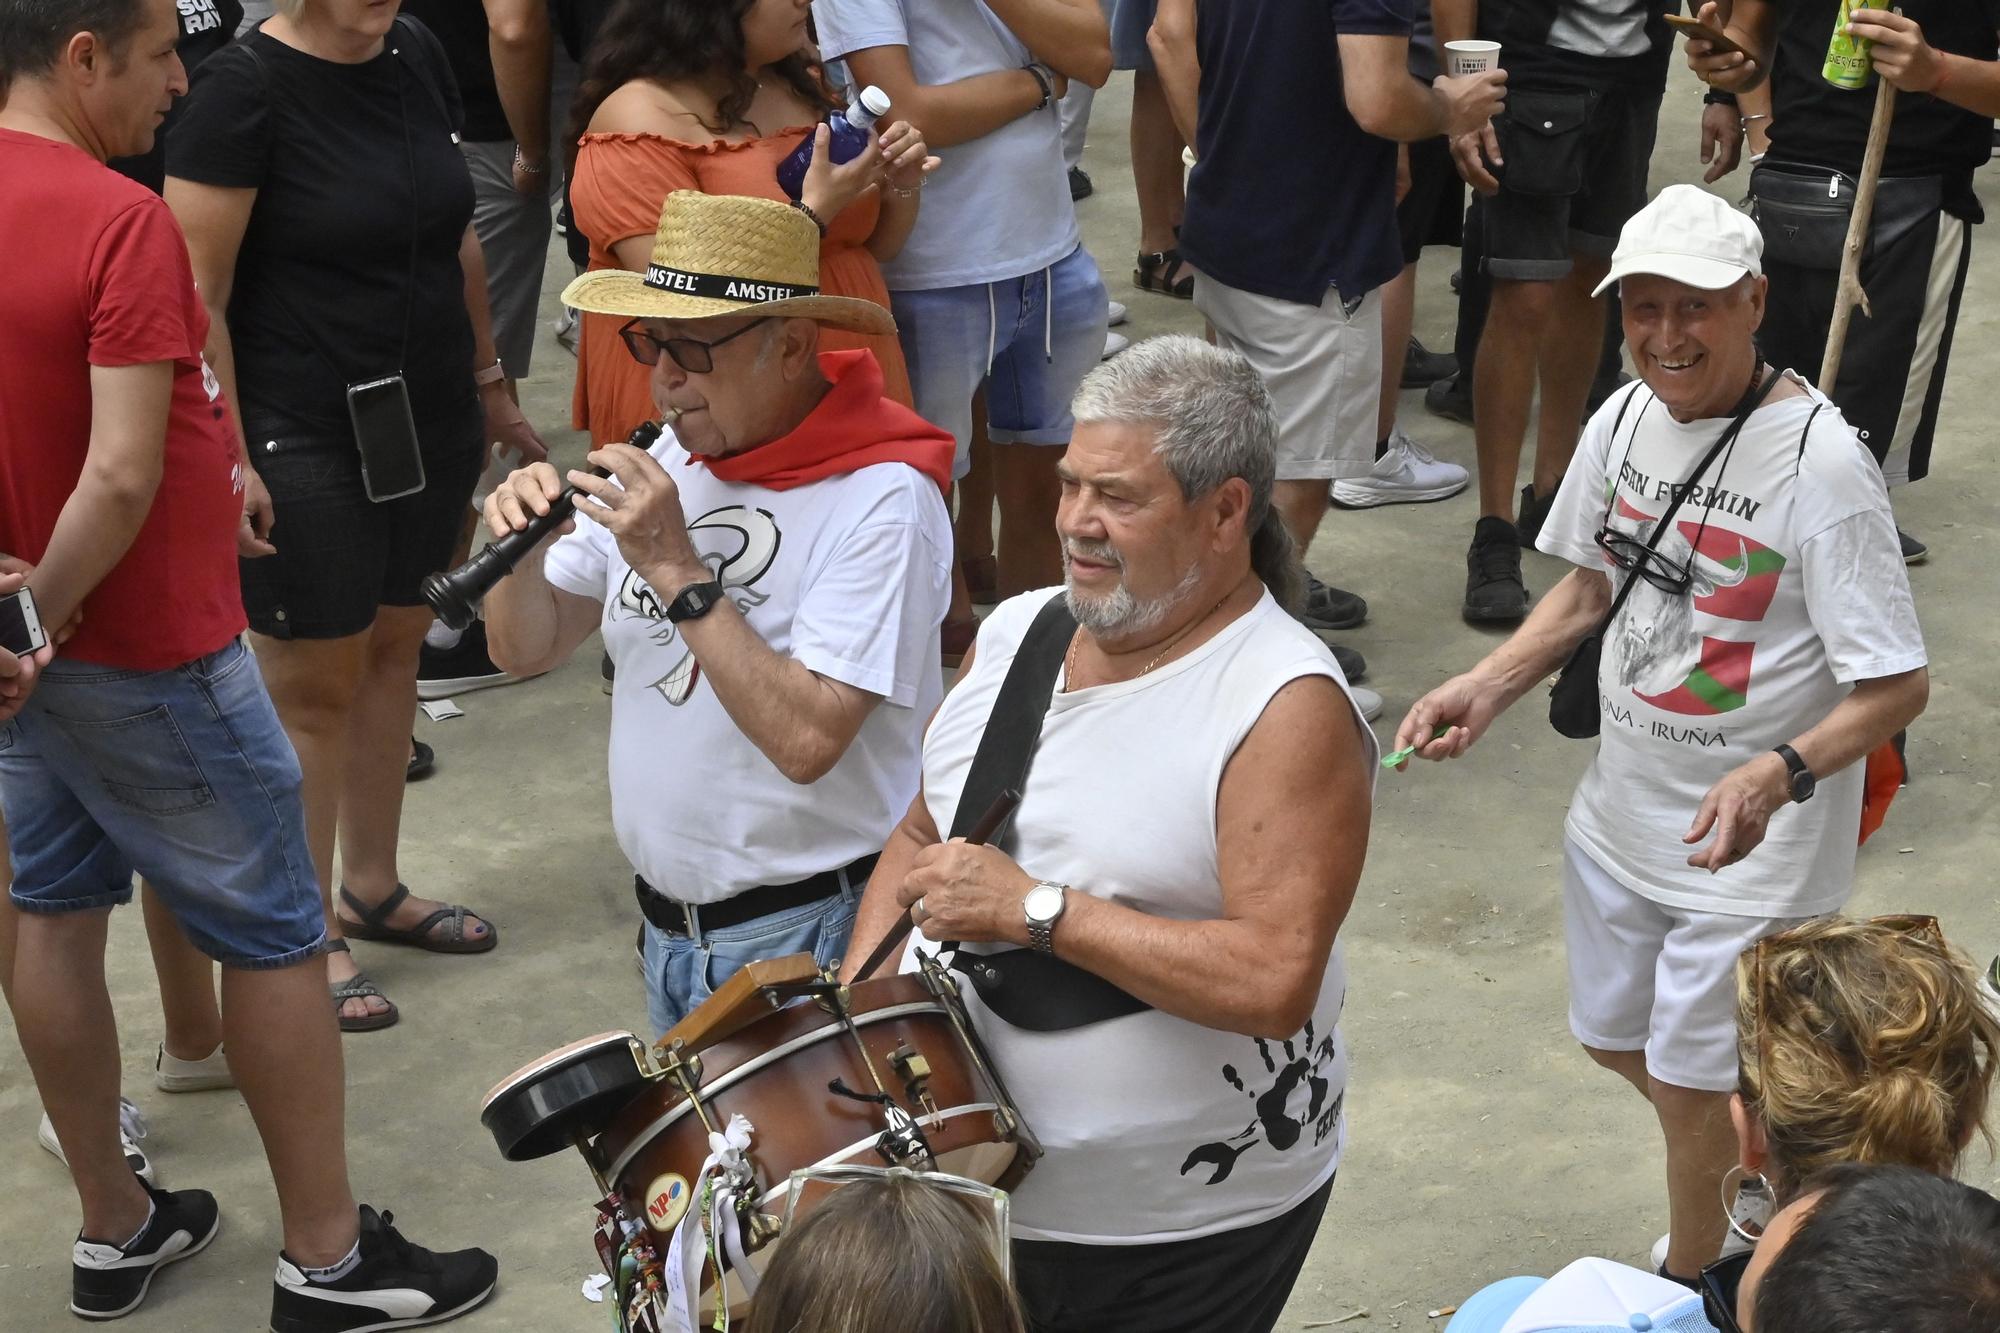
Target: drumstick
x=988, y=825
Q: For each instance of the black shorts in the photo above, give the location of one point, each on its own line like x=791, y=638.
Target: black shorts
x=341, y=555
x=1433, y=212
x=1573, y=173
x=1892, y=369
x=1234, y=1280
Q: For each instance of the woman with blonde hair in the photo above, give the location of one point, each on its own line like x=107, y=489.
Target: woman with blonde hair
x=1860, y=1041
x=888, y=1254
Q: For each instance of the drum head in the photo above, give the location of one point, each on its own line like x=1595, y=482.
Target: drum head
x=545, y=1105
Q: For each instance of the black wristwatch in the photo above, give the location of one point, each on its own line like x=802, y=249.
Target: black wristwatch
x=1718, y=97
x=1804, y=784
x=694, y=601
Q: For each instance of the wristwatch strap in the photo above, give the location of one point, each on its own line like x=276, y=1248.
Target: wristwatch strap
x=694, y=601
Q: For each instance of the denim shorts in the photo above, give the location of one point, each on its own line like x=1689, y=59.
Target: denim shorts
x=341, y=555
x=1032, y=339
x=183, y=776
x=680, y=973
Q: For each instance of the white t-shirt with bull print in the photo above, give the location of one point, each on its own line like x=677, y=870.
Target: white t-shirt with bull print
x=849, y=575
x=1798, y=592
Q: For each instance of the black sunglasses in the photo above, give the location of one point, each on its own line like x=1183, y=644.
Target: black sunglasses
x=1719, y=1283
x=1670, y=576
x=690, y=354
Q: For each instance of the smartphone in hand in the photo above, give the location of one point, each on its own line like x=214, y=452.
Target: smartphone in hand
x=21, y=629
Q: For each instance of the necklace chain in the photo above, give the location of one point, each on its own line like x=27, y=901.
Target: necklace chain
x=1069, y=663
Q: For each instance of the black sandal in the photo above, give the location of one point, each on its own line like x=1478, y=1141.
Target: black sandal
x=358, y=987
x=1161, y=272
x=372, y=923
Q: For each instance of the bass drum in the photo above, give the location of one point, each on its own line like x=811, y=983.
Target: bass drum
x=797, y=1076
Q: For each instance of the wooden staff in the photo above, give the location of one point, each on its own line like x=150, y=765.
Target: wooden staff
x=1850, y=293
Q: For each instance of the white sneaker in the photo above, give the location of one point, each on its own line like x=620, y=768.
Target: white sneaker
x=1114, y=343
x=131, y=1128
x=1369, y=702
x=172, y=1074
x=1407, y=474
x=1117, y=314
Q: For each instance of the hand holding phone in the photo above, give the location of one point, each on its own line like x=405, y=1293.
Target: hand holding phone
x=21, y=631
x=24, y=646
x=1720, y=41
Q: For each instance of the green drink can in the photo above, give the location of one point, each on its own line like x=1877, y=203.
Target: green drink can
x=1847, y=63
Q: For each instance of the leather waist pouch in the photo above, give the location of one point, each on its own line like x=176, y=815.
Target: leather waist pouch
x=1803, y=212
x=1040, y=992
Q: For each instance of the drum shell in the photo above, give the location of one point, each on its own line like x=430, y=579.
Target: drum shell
x=776, y=1074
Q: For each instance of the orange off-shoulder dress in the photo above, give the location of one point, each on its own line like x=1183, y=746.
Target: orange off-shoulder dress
x=620, y=184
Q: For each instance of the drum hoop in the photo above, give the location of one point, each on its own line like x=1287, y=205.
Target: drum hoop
x=839, y=1155
x=707, y=1090
x=575, y=1053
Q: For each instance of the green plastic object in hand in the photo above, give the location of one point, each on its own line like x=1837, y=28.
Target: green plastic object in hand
x=1395, y=757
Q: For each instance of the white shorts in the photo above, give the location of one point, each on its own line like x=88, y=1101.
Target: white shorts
x=1645, y=976
x=1322, y=364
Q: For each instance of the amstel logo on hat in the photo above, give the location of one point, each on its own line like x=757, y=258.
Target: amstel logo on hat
x=727, y=255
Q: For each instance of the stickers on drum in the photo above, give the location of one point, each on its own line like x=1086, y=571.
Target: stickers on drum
x=666, y=1200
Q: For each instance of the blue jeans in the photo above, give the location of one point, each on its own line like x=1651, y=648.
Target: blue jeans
x=680, y=973
x=1030, y=340
x=183, y=776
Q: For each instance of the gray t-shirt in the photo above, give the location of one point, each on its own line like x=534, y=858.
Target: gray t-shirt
x=999, y=205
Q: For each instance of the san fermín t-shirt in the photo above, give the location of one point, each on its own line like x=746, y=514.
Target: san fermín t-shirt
x=850, y=576
x=98, y=275
x=323, y=276
x=1799, y=592
x=1289, y=196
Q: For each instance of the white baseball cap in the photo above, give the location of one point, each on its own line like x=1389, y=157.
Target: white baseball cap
x=1691, y=236
x=1590, y=1296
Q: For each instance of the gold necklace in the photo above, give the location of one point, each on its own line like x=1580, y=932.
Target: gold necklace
x=1069, y=663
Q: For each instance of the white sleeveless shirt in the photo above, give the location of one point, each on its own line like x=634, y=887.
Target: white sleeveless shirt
x=1153, y=1128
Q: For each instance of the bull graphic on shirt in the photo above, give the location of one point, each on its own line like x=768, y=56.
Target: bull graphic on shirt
x=1655, y=650
x=1296, y=1100
x=740, y=545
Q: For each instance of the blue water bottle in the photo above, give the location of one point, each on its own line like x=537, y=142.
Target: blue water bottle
x=849, y=132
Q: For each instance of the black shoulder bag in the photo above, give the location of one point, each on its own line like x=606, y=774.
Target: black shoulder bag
x=1573, y=708
x=1025, y=987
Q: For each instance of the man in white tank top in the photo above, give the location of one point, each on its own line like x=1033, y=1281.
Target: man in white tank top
x=1191, y=831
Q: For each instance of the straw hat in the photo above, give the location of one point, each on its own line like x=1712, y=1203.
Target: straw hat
x=727, y=255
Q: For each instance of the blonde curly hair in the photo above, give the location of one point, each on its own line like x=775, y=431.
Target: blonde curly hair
x=1863, y=1041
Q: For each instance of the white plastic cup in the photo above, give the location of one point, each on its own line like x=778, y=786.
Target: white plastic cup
x=1463, y=58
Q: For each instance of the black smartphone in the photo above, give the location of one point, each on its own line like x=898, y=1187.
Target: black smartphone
x=21, y=629
x=392, y=463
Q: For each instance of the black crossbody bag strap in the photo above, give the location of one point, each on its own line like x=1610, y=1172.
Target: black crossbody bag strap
x=1752, y=401
x=1026, y=987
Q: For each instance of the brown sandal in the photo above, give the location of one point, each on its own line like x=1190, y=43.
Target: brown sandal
x=955, y=641
x=1161, y=272
x=982, y=579
x=371, y=923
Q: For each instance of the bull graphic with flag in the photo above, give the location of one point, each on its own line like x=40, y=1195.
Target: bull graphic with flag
x=1656, y=650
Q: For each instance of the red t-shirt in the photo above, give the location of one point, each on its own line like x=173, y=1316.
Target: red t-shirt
x=97, y=274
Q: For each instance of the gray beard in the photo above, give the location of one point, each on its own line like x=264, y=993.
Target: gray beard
x=1119, y=614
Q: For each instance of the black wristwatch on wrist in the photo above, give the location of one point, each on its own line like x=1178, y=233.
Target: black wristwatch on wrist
x=1803, y=783
x=1718, y=97
x=694, y=601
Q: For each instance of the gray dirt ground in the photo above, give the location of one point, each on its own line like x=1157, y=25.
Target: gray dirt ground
x=1483, y=1142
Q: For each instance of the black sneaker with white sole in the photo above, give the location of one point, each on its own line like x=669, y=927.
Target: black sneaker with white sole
x=396, y=1285
x=460, y=669
x=107, y=1280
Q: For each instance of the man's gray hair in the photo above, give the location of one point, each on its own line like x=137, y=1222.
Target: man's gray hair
x=1215, y=421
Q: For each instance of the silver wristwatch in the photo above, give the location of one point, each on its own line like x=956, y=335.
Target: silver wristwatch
x=1044, y=907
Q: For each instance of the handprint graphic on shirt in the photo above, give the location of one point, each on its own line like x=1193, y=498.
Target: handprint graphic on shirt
x=1296, y=1098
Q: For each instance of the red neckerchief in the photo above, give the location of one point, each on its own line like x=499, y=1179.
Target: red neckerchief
x=853, y=427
